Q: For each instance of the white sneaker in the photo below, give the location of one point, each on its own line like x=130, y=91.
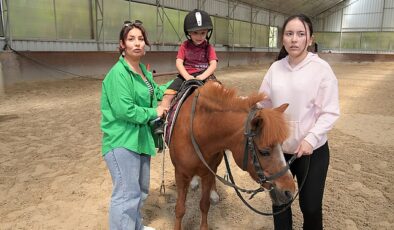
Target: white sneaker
x=148, y=228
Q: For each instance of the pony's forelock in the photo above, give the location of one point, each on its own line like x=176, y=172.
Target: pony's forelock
x=275, y=128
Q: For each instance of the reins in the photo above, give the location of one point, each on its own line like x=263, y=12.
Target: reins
x=249, y=147
x=254, y=209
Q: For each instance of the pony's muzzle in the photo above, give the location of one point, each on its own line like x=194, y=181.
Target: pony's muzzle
x=288, y=195
x=281, y=197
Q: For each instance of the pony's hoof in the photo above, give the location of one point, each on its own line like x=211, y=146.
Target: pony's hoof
x=214, y=197
x=194, y=183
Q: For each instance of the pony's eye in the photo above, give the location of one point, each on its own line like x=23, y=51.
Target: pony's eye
x=265, y=151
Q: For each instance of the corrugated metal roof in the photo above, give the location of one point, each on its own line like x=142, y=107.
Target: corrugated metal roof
x=310, y=8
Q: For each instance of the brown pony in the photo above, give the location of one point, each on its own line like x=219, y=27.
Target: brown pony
x=218, y=124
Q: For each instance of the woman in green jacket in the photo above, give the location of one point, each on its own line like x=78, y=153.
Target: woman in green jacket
x=128, y=103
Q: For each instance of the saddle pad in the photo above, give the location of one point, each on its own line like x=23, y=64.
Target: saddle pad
x=173, y=112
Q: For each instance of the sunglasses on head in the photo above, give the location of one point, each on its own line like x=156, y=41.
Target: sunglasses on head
x=132, y=23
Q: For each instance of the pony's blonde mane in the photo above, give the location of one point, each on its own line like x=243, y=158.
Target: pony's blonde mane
x=218, y=97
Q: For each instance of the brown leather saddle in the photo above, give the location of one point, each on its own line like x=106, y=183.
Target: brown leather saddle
x=186, y=89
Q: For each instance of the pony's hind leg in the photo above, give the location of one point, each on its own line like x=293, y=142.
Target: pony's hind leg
x=206, y=186
x=182, y=184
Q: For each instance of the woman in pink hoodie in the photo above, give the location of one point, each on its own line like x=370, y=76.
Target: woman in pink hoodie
x=309, y=85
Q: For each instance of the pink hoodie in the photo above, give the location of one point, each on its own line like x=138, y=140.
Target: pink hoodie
x=311, y=89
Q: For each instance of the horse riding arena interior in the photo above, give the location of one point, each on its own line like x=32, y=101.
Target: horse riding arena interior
x=52, y=175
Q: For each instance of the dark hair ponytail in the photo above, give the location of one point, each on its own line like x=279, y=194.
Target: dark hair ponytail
x=282, y=54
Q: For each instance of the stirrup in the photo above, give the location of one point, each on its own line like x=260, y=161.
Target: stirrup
x=158, y=126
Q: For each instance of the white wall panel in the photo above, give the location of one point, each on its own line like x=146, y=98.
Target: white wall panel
x=146, y=1
x=187, y=5
x=389, y=4
x=277, y=19
x=318, y=24
x=388, y=20
x=217, y=8
x=362, y=21
x=333, y=22
x=262, y=17
x=363, y=15
x=173, y=4
x=242, y=12
x=364, y=6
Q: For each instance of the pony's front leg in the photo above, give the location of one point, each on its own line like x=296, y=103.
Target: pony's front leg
x=182, y=184
x=214, y=196
x=207, y=183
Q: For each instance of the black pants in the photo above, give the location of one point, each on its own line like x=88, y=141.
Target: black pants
x=311, y=195
x=178, y=81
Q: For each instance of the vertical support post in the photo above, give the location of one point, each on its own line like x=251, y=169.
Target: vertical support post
x=91, y=20
x=54, y=15
x=340, y=35
x=130, y=10
x=6, y=23
x=100, y=24
x=231, y=35
x=253, y=33
x=251, y=27
x=381, y=26
x=269, y=32
x=2, y=84
x=201, y=4
x=159, y=22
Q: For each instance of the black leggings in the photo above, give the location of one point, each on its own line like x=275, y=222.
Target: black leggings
x=311, y=195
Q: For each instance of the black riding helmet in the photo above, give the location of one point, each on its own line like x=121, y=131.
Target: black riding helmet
x=197, y=20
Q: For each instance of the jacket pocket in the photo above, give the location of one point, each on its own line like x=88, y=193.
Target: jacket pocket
x=296, y=135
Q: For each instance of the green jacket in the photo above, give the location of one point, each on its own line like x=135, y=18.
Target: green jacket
x=126, y=109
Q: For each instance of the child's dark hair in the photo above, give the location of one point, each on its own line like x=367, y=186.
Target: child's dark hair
x=305, y=20
x=129, y=25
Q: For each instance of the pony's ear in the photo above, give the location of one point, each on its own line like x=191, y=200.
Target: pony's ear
x=282, y=108
x=256, y=123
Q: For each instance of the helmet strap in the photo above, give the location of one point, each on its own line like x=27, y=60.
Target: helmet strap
x=209, y=34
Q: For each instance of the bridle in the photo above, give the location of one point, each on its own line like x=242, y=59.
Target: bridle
x=250, y=148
